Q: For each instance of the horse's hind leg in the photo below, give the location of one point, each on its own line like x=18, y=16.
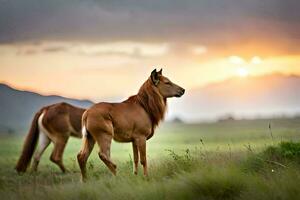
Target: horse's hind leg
x=104, y=142
x=44, y=142
x=57, y=154
x=82, y=157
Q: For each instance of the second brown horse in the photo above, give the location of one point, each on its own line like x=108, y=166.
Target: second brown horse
x=133, y=120
x=54, y=123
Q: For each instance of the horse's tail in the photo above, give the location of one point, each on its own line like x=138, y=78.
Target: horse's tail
x=29, y=144
x=85, y=132
x=87, y=146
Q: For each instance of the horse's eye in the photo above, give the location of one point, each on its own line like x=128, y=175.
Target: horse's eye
x=168, y=83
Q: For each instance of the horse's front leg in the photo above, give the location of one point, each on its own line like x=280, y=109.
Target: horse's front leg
x=135, y=157
x=141, y=143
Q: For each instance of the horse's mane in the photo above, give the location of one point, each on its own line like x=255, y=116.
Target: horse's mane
x=152, y=101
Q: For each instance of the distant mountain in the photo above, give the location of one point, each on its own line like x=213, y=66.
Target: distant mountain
x=18, y=107
x=267, y=95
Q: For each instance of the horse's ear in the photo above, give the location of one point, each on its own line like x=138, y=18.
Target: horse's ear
x=160, y=72
x=155, y=77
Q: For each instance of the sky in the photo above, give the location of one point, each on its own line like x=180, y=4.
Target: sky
x=105, y=50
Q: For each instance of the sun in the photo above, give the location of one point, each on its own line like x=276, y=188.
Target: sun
x=242, y=72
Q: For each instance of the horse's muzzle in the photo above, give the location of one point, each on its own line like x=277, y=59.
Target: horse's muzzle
x=180, y=93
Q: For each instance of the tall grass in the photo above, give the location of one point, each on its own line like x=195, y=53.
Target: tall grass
x=185, y=162
x=187, y=175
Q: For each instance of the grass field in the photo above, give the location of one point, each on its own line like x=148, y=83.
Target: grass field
x=186, y=161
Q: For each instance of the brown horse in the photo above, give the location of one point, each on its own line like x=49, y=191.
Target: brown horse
x=133, y=120
x=54, y=123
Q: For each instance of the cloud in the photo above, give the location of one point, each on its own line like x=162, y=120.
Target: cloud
x=38, y=48
x=199, y=50
x=55, y=49
x=130, y=49
x=136, y=49
x=210, y=22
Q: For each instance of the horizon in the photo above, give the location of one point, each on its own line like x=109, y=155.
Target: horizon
x=186, y=108
x=119, y=98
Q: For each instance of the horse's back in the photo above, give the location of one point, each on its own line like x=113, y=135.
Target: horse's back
x=120, y=119
x=63, y=118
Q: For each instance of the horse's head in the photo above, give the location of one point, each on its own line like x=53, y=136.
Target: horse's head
x=166, y=87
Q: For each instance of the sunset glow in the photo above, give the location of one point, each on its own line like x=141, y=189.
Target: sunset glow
x=80, y=69
x=243, y=72
x=236, y=60
x=256, y=60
